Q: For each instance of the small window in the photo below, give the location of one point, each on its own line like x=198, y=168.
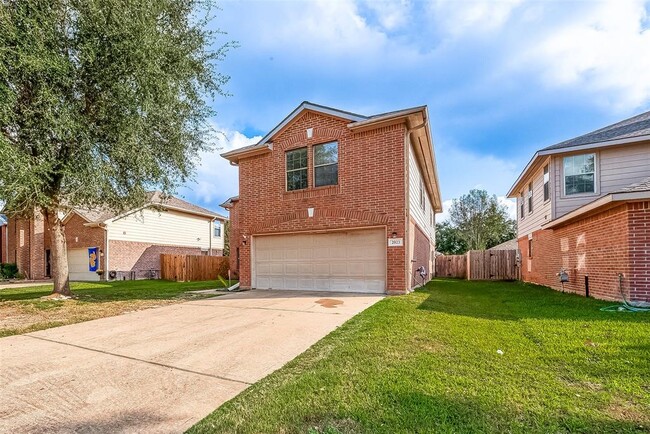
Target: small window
x=530, y=197
x=547, y=179
x=579, y=174
x=530, y=247
x=422, y=196
x=296, y=161
x=521, y=205
x=326, y=164
x=217, y=229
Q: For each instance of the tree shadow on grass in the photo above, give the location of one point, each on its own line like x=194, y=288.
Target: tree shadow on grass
x=514, y=301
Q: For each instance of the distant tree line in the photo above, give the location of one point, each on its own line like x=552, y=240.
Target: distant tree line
x=477, y=221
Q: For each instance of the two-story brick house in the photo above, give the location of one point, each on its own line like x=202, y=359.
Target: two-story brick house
x=584, y=208
x=335, y=201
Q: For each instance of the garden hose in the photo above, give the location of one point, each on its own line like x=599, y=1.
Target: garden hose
x=626, y=306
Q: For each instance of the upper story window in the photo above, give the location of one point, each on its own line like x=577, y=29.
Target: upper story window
x=547, y=179
x=521, y=205
x=326, y=164
x=579, y=174
x=217, y=229
x=296, y=161
x=422, y=195
x=530, y=197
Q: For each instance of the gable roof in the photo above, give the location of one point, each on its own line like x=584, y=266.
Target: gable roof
x=154, y=199
x=416, y=118
x=631, y=130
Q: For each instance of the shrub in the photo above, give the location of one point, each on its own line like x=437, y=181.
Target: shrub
x=8, y=271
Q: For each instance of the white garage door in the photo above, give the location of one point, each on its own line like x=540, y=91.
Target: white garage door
x=352, y=261
x=78, y=265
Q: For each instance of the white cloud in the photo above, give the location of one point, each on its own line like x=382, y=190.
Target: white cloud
x=216, y=179
x=605, y=50
x=479, y=16
x=391, y=15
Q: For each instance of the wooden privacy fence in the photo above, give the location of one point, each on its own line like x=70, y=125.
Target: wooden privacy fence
x=480, y=265
x=186, y=268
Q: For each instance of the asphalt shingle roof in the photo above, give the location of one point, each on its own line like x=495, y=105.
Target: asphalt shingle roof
x=154, y=198
x=635, y=126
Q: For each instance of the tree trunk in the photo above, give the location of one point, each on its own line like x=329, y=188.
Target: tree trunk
x=60, y=273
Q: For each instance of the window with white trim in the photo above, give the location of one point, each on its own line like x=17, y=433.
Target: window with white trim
x=530, y=198
x=422, y=196
x=216, y=229
x=547, y=179
x=326, y=164
x=579, y=174
x=296, y=164
x=521, y=205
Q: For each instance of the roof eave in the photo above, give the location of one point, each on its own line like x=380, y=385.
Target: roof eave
x=605, y=201
x=545, y=152
x=235, y=155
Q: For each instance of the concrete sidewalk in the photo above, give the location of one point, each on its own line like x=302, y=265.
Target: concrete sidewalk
x=159, y=370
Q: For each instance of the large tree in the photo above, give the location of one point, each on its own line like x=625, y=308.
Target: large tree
x=100, y=101
x=480, y=220
x=448, y=240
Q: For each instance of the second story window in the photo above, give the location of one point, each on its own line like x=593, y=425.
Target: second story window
x=547, y=179
x=521, y=205
x=579, y=174
x=296, y=161
x=326, y=164
x=422, y=196
x=530, y=197
x=217, y=229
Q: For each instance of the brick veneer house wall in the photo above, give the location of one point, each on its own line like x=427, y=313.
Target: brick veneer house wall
x=4, y=254
x=601, y=246
x=601, y=230
x=372, y=191
x=129, y=244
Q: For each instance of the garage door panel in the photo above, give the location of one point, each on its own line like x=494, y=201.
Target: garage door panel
x=78, y=265
x=336, y=261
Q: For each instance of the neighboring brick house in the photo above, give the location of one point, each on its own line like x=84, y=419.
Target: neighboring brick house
x=583, y=207
x=129, y=244
x=335, y=201
x=3, y=239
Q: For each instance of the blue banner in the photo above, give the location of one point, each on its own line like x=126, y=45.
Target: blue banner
x=93, y=258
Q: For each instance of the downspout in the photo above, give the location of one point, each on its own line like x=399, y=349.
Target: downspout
x=211, y=233
x=106, y=256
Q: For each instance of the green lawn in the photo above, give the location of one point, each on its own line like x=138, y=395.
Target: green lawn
x=428, y=362
x=22, y=310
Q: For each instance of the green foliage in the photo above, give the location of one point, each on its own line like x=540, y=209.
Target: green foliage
x=102, y=100
x=480, y=221
x=429, y=363
x=226, y=238
x=448, y=240
x=8, y=271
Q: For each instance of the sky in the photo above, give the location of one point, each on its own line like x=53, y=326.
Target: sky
x=501, y=78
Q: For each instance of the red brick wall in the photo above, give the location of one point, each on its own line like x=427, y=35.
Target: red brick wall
x=371, y=190
x=639, y=242
x=79, y=236
x=601, y=246
x=234, y=237
x=128, y=256
x=27, y=253
x=4, y=254
x=421, y=256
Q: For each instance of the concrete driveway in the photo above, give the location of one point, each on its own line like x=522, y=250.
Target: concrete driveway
x=159, y=370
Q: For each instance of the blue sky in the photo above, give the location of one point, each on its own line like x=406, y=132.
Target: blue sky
x=501, y=78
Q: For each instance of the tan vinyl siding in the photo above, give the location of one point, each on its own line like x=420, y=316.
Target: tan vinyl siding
x=616, y=168
x=541, y=210
x=170, y=228
x=421, y=217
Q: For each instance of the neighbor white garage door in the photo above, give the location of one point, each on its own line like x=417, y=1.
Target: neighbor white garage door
x=336, y=261
x=78, y=265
